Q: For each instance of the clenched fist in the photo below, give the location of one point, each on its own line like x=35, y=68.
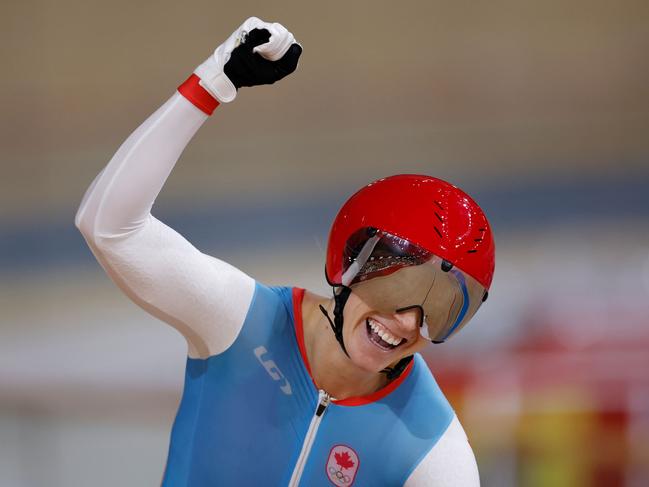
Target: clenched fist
x=257, y=53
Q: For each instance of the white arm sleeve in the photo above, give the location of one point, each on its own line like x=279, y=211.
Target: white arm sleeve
x=203, y=297
x=450, y=463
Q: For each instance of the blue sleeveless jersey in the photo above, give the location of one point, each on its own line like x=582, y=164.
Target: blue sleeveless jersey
x=244, y=414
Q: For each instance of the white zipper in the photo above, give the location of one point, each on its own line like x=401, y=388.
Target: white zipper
x=323, y=401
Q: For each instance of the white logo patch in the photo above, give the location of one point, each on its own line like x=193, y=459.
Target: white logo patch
x=342, y=465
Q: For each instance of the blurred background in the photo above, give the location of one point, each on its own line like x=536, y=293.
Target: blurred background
x=539, y=109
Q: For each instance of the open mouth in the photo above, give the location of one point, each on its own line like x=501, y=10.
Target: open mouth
x=381, y=336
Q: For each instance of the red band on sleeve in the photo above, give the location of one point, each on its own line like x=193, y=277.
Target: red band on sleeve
x=198, y=95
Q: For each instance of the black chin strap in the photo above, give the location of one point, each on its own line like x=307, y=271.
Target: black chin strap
x=340, y=299
x=394, y=372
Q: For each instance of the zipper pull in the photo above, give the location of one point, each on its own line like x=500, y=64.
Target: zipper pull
x=323, y=401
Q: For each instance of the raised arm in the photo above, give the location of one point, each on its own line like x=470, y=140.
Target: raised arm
x=204, y=298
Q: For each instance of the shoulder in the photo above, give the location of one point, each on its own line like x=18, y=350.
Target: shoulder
x=270, y=312
x=423, y=393
x=450, y=463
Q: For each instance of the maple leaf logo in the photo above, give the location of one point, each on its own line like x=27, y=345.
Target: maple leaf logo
x=343, y=460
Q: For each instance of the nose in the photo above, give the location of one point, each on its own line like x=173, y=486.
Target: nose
x=409, y=318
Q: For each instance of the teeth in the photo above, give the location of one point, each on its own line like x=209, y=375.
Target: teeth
x=384, y=333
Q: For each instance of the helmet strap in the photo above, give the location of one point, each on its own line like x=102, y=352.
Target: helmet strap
x=341, y=295
x=394, y=372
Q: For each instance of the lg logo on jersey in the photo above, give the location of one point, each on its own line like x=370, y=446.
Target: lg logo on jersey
x=272, y=370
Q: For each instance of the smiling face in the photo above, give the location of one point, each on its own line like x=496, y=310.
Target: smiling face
x=376, y=340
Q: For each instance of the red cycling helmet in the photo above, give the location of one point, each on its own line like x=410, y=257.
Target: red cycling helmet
x=424, y=210
x=412, y=241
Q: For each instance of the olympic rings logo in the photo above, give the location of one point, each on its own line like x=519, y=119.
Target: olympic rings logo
x=340, y=476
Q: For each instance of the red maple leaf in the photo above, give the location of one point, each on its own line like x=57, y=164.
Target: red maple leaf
x=343, y=460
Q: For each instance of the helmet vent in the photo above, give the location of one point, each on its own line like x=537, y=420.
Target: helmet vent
x=439, y=217
x=471, y=251
x=438, y=232
x=439, y=205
